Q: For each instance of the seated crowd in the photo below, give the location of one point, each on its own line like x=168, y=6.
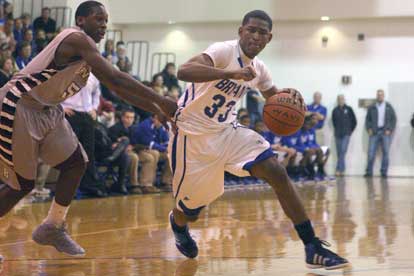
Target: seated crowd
x=303, y=158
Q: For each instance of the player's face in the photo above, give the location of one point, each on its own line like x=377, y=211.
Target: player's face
x=95, y=23
x=254, y=36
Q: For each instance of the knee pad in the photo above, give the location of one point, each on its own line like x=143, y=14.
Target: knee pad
x=75, y=160
x=26, y=185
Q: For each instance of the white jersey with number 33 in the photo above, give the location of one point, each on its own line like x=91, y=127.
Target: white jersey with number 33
x=209, y=107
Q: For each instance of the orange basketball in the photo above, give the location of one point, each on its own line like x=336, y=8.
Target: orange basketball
x=282, y=115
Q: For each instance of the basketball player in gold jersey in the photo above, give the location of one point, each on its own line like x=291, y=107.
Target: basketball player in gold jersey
x=33, y=125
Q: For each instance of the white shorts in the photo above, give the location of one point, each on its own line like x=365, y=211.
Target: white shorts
x=199, y=161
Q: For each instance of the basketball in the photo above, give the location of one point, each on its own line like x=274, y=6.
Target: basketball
x=282, y=115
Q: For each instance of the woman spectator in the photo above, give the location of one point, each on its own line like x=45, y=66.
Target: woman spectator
x=110, y=51
x=169, y=75
x=6, y=70
x=158, y=84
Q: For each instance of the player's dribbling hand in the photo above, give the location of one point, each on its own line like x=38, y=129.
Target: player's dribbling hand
x=246, y=73
x=297, y=97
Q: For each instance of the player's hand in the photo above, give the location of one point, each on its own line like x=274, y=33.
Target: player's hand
x=69, y=112
x=297, y=97
x=168, y=107
x=246, y=73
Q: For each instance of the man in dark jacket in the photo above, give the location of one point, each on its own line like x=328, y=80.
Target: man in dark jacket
x=344, y=122
x=380, y=124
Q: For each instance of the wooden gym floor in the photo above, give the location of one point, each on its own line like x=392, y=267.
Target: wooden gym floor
x=244, y=233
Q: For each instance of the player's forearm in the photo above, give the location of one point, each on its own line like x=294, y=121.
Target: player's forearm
x=195, y=72
x=142, y=97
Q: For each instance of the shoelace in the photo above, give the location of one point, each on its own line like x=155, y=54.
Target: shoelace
x=320, y=242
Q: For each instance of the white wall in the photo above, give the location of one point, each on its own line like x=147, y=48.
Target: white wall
x=160, y=11
x=297, y=59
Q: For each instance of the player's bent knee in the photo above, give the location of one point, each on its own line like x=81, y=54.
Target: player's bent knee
x=26, y=185
x=76, y=160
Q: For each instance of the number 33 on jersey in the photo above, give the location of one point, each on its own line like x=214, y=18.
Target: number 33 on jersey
x=209, y=107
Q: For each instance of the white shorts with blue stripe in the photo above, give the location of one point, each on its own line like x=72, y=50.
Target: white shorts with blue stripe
x=199, y=162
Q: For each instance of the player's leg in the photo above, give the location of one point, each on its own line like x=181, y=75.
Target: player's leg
x=198, y=179
x=252, y=155
x=61, y=150
x=316, y=255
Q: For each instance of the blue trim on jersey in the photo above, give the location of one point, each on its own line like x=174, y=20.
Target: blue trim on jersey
x=190, y=212
x=174, y=153
x=184, y=166
x=185, y=98
x=263, y=156
x=240, y=62
x=193, y=86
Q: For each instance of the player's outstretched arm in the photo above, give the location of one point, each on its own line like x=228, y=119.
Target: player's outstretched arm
x=126, y=87
x=201, y=69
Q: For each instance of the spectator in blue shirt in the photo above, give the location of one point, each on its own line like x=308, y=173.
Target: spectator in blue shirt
x=308, y=139
x=151, y=141
x=25, y=55
x=276, y=144
x=18, y=30
x=320, y=112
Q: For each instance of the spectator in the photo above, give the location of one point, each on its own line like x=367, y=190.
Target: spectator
x=28, y=37
x=8, y=10
x=106, y=113
x=45, y=23
x=110, y=50
x=40, y=182
x=312, y=148
x=25, y=55
x=294, y=141
x=169, y=75
x=121, y=54
x=8, y=30
x=158, y=84
x=380, y=123
x=6, y=70
x=253, y=100
x=123, y=66
x=344, y=122
x=174, y=93
x=7, y=53
x=112, y=154
x=320, y=111
x=245, y=121
x=117, y=132
x=275, y=141
x=80, y=110
x=150, y=139
x=40, y=40
x=27, y=21
x=18, y=30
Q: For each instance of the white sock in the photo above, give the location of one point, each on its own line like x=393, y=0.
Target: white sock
x=57, y=214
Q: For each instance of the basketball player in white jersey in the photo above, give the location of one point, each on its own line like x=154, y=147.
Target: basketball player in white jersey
x=208, y=141
x=33, y=125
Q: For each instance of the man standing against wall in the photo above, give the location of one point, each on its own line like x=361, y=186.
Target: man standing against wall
x=320, y=111
x=344, y=122
x=380, y=123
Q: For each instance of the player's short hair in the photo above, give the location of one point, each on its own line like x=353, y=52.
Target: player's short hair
x=86, y=8
x=258, y=14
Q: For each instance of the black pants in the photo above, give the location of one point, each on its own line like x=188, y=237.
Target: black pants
x=84, y=127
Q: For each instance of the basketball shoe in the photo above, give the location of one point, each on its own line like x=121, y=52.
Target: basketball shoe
x=183, y=240
x=319, y=257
